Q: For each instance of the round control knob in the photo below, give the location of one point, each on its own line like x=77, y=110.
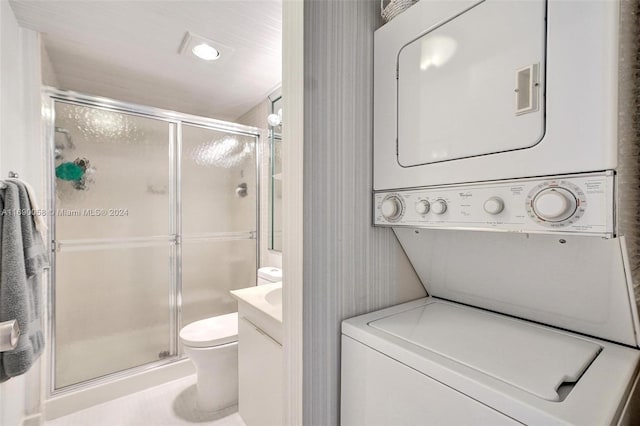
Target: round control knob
x=439, y=206
x=422, y=207
x=494, y=205
x=554, y=204
x=391, y=208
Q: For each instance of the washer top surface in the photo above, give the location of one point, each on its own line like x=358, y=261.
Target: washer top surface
x=535, y=359
x=506, y=363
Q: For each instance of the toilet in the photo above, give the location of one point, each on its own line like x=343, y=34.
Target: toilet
x=212, y=346
x=269, y=274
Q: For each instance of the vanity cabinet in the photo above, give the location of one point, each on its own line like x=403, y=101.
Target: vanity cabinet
x=260, y=375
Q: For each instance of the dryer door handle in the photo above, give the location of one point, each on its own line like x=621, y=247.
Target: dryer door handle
x=527, y=88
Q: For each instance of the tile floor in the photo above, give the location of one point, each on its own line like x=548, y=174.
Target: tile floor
x=171, y=404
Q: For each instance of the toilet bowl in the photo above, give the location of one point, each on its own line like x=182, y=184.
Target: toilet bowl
x=212, y=346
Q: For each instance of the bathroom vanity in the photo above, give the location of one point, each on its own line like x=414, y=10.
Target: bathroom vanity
x=260, y=354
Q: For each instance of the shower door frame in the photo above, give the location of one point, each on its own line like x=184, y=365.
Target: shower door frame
x=175, y=121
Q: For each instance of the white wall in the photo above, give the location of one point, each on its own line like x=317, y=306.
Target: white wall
x=293, y=209
x=49, y=75
x=20, y=151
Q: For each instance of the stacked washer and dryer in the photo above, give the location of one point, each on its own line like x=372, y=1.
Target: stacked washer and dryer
x=505, y=160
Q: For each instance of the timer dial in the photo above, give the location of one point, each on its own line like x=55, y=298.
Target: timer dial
x=555, y=204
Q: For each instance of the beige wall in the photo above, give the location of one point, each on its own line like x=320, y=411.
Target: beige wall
x=257, y=117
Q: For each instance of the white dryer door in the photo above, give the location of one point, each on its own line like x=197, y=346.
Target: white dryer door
x=473, y=85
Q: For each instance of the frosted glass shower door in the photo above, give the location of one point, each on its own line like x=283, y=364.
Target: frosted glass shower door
x=155, y=221
x=115, y=239
x=219, y=211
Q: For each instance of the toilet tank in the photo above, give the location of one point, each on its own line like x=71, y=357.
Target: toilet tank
x=269, y=274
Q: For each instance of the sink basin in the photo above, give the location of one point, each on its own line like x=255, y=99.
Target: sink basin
x=262, y=306
x=274, y=297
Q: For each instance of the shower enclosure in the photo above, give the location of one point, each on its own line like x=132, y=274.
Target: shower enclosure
x=153, y=219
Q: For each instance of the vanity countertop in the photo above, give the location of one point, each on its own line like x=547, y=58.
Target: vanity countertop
x=266, y=298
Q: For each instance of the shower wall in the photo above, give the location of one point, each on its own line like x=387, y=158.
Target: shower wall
x=151, y=237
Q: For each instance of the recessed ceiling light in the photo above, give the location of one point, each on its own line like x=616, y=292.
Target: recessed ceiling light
x=196, y=46
x=206, y=52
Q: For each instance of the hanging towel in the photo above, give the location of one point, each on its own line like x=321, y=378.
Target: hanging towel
x=39, y=219
x=22, y=258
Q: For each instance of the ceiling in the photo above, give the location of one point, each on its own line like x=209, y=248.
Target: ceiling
x=129, y=50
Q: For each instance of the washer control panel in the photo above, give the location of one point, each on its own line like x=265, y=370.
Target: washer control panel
x=574, y=204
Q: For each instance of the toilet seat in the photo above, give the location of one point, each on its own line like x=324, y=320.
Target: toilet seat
x=214, y=331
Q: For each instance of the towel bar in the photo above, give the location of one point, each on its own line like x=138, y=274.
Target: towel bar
x=12, y=175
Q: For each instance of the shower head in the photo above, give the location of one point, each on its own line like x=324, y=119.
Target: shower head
x=67, y=136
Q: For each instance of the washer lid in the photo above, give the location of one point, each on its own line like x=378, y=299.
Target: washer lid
x=530, y=357
x=214, y=331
